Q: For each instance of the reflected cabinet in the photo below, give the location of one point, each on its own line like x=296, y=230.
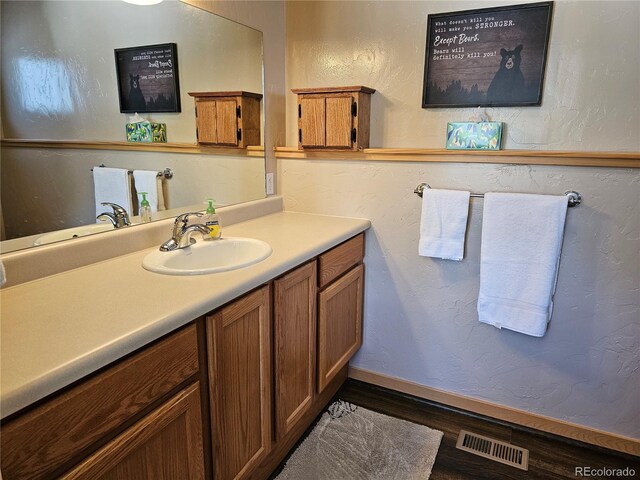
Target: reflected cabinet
x=229, y=119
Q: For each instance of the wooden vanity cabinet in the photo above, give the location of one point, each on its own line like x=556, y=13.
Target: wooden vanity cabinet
x=335, y=118
x=207, y=393
x=51, y=438
x=227, y=119
x=239, y=351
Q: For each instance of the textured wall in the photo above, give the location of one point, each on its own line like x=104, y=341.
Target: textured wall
x=420, y=313
x=592, y=77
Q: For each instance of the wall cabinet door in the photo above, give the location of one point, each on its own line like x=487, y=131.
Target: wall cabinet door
x=326, y=121
x=294, y=346
x=339, y=324
x=166, y=444
x=216, y=121
x=339, y=121
x=239, y=350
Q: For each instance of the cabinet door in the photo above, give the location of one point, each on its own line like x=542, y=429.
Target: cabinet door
x=295, y=346
x=166, y=444
x=239, y=350
x=339, y=122
x=311, y=121
x=339, y=324
x=206, y=121
x=227, y=125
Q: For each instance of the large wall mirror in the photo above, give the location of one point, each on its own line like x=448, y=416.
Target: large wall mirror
x=59, y=84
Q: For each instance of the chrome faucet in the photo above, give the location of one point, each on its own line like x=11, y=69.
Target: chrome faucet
x=182, y=232
x=119, y=217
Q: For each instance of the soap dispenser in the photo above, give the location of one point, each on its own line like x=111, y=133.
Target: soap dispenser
x=212, y=221
x=145, y=208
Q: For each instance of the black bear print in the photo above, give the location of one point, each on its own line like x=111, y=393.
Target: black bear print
x=136, y=98
x=508, y=83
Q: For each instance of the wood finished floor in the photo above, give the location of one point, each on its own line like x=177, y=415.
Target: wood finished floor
x=550, y=457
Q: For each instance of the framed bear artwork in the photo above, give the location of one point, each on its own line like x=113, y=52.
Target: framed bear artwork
x=489, y=57
x=148, y=78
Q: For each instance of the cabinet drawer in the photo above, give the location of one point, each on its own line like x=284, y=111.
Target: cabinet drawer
x=50, y=437
x=340, y=259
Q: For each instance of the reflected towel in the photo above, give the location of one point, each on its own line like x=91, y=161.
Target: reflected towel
x=112, y=185
x=149, y=181
x=521, y=243
x=443, y=223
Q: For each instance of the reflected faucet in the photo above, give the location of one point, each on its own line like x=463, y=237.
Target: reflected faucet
x=119, y=217
x=182, y=232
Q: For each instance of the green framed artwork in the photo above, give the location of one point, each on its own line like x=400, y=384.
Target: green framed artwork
x=474, y=135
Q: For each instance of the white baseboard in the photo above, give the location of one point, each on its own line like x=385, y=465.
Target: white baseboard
x=519, y=417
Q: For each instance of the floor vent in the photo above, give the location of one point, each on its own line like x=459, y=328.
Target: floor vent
x=496, y=450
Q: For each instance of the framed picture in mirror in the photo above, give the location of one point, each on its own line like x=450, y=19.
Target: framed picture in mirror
x=148, y=78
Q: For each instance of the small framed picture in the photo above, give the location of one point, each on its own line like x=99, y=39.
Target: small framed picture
x=489, y=57
x=148, y=78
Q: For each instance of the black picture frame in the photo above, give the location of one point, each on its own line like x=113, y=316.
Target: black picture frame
x=487, y=57
x=148, y=79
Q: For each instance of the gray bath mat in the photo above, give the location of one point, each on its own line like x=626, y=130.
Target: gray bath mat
x=353, y=443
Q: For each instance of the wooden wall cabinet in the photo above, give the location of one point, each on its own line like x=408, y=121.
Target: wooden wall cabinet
x=335, y=118
x=229, y=119
x=294, y=346
x=239, y=350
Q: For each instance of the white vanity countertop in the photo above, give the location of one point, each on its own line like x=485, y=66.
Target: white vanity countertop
x=57, y=329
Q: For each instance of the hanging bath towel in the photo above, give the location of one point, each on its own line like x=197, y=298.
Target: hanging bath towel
x=443, y=223
x=521, y=242
x=112, y=185
x=149, y=181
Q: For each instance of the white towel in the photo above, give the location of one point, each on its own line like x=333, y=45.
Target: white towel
x=521, y=242
x=149, y=181
x=443, y=223
x=3, y=277
x=112, y=185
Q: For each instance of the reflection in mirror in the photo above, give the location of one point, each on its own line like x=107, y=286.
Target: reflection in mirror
x=61, y=112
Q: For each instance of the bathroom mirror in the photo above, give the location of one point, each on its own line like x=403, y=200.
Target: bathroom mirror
x=61, y=114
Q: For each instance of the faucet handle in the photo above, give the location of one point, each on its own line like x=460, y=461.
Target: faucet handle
x=116, y=208
x=182, y=221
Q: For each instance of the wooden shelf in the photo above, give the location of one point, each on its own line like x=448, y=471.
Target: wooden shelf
x=253, y=151
x=522, y=157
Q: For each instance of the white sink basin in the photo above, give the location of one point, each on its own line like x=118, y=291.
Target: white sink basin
x=69, y=233
x=203, y=257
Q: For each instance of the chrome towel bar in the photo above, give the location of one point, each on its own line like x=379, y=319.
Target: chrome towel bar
x=166, y=173
x=574, y=197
